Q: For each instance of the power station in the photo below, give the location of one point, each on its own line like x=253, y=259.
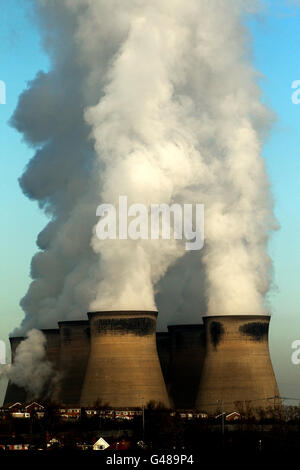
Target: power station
x=237, y=368
x=117, y=358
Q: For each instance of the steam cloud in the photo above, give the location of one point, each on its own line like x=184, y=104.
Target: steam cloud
x=30, y=369
x=157, y=101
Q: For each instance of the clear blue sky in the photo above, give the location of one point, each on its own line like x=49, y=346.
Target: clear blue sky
x=276, y=39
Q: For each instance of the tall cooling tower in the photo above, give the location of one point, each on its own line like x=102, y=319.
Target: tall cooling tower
x=14, y=393
x=237, y=366
x=123, y=368
x=163, y=350
x=186, y=361
x=52, y=346
x=74, y=352
x=52, y=355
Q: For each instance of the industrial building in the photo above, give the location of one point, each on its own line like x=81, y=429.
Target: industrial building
x=116, y=358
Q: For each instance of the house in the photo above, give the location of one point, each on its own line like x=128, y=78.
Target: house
x=123, y=414
x=186, y=415
x=14, y=446
x=120, y=445
x=69, y=413
x=201, y=415
x=34, y=406
x=20, y=414
x=54, y=443
x=101, y=444
x=15, y=407
x=234, y=416
x=17, y=410
x=90, y=412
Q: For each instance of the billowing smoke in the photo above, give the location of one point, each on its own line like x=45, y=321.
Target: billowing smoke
x=158, y=101
x=30, y=369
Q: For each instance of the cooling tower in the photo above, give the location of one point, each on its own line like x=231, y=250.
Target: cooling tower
x=74, y=352
x=186, y=361
x=52, y=355
x=14, y=393
x=163, y=350
x=52, y=346
x=237, y=366
x=123, y=367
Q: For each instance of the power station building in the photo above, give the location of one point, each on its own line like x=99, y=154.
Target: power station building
x=117, y=358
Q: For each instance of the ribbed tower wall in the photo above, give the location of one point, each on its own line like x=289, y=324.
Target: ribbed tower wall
x=74, y=353
x=123, y=368
x=237, y=369
x=163, y=349
x=186, y=361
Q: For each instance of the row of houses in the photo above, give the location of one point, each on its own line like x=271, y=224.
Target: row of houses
x=25, y=411
x=19, y=410
x=55, y=443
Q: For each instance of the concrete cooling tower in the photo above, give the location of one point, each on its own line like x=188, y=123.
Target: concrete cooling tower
x=237, y=366
x=163, y=350
x=14, y=393
x=52, y=355
x=52, y=346
x=74, y=352
x=186, y=360
x=123, y=368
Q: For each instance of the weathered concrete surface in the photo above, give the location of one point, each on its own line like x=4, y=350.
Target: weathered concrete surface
x=123, y=367
x=163, y=349
x=52, y=346
x=74, y=353
x=186, y=361
x=237, y=365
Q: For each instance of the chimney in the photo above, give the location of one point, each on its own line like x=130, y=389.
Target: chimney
x=74, y=352
x=123, y=368
x=186, y=361
x=237, y=369
x=14, y=393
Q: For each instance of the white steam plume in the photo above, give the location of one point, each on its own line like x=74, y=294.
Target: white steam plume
x=167, y=92
x=30, y=368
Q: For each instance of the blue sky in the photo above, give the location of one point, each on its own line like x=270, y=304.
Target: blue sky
x=276, y=36
x=20, y=58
